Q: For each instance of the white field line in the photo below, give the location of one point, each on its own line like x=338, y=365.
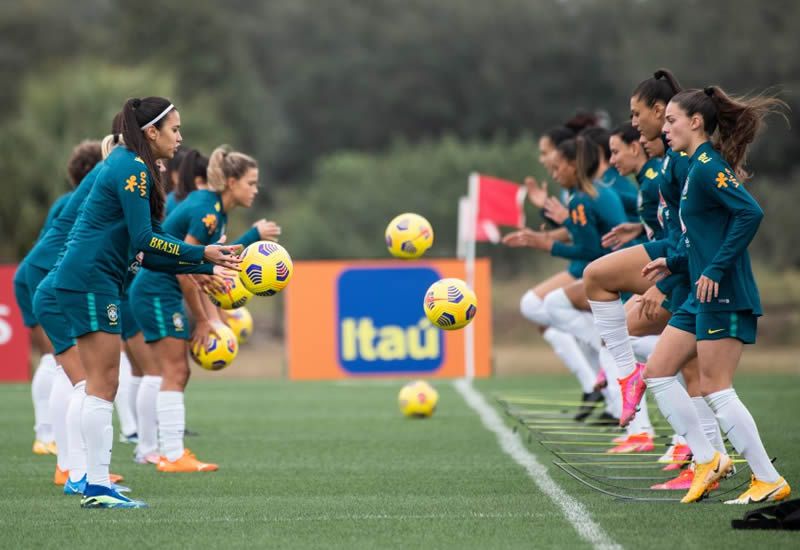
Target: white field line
x=511, y=444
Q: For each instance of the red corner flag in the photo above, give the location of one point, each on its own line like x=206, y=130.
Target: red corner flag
x=499, y=202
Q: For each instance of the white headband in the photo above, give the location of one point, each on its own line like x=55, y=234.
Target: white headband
x=159, y=117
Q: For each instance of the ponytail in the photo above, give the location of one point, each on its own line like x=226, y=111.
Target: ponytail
x=736, y=120
x=660, y=87
x=587, y=160
x=193, y=165
x=114, y=138
x=599, y=137
x=138, y=114
x=225, y=163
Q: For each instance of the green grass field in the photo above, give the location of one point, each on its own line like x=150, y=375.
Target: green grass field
x=330, y=465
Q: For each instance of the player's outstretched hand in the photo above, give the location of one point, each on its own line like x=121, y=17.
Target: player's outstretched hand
x=224, y=255
x=267, y=230
x=656, y=270
x=622, y=235
x=537, y=192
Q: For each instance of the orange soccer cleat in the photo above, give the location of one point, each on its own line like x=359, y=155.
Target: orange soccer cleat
x=185, y=464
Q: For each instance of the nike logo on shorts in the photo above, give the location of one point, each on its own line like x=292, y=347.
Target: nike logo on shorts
x=715, y=331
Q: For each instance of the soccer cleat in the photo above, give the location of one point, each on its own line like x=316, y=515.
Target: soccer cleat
x=681, y=454
x=761, y=491
x=601, y=381
x=632, y=388
x=635, y=443
x=61, y=476
x=78, y=487
x=681, y=483
x=590, y=401
x=132, y=438
x=620, y=439
x=149, y=458
x=97, y=496
x=185, y=464
x=705, y=475
x=42, y=448
x=115, y=478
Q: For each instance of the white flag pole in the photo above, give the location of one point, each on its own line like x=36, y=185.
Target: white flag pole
x=469, y=267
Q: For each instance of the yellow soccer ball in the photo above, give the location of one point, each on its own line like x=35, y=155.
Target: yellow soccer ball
x=241, y=323
x=266, y=268
x=450, y=304
x=418, y=399
x=408, y=236
x=234, y=296
x=219, y=352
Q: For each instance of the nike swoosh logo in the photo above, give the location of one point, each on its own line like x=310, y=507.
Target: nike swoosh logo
x=715, y=330
x=766, y=497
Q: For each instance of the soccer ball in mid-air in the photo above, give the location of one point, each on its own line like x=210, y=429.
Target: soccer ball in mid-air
x=234, y=296
x=408, y=236
x=241, y=323
x=266, y=268
x=418, y=399
x=450, y=304
x=219, y=352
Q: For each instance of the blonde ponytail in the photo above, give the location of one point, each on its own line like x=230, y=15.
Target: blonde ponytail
x=225, y=163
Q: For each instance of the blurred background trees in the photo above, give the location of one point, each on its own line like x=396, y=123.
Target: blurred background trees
x=359, y=110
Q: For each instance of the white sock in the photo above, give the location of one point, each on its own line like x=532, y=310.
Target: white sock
x=171, y=423
x=565, y=316
x=676, y=406
x=741, y=430
x=41, y=386
x=612, y=392
x=567, y=349
x=122, y=402
x=59, y=401
x=532, y=308
x=147, y=419
x=136, y=382
x=708, y=421
x=609, y=318
x=98, y=432
x=77, y=445
x=643, y=346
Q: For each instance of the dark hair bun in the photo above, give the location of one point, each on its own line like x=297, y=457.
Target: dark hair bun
x=136, y=103
x=709, y=91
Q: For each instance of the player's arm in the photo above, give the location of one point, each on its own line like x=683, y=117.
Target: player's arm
x=586, y=239
x=746, y=216
x=134, y=195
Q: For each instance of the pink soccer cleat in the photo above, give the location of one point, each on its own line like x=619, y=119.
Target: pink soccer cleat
x=681, y=454
x=635, y=443
x=632, y=387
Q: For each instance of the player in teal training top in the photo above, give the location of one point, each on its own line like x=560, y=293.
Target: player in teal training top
x=157, y=298
x=26, y=280
x=119, y=216
x=628, y=156
x=719, y=220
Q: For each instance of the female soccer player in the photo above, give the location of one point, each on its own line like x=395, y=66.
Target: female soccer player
x=158, y=298
x=83, y=161
x=592, y=212
x=119, y=216
x=42, y=382
x=719, y=218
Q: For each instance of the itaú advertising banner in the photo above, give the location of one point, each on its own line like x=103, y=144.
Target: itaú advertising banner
x=365, y=318
x=14, y=337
